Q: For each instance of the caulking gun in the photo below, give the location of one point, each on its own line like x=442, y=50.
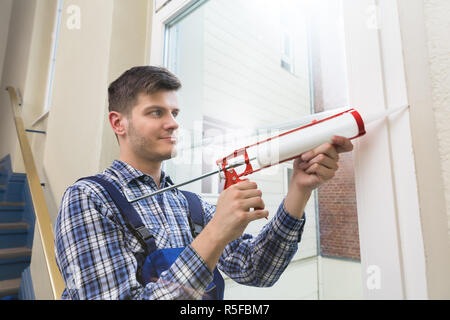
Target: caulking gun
x=345, y=122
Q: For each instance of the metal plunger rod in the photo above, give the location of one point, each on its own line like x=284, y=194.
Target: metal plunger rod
x=187, y=182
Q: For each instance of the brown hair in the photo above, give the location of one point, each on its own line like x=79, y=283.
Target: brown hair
x=123, y=92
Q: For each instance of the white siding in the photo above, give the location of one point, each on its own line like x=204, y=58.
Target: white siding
x=244, y=81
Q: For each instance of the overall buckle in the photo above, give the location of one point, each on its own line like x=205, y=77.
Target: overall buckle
x=143, y=233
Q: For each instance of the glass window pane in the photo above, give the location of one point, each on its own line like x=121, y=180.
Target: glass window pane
x=248, y=67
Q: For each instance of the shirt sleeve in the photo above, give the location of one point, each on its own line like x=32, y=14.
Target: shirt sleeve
x=96, y=261
x=259, y=261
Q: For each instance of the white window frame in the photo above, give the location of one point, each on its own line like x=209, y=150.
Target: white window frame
x=289, y=57
x=389, y=223
x=52, y=62
x=392, y=252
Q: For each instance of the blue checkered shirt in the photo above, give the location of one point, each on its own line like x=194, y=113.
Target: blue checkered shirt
x=98, y=256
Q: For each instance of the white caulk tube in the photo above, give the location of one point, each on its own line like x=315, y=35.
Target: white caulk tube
x=288, y=145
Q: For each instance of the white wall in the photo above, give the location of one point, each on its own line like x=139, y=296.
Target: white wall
x=340, y=279
x=298, y=282
x=307, y=279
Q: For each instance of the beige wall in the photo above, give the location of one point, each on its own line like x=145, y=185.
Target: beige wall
x=424, y=27
x=437, y=16
x=130, y=46
x=113, y=36
x=79, y=139
x=14, y=74
x=437, y=26
x=5, y=14
x=75, y=121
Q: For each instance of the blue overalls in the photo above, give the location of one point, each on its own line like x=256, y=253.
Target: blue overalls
x=158, y=260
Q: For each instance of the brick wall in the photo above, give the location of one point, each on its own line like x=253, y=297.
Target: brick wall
x=338, y=220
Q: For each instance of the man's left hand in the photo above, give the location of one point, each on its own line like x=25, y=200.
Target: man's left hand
x=319, y=165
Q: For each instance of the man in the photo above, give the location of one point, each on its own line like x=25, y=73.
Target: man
x=100, y=258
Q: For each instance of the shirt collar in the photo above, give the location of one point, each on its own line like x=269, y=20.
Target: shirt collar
x=128, y=174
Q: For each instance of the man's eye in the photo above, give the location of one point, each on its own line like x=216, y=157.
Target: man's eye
x=175, y=114
x=156, y=113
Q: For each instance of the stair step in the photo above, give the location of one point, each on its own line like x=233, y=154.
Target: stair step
x=12, y=253
x=11, y=211
x=11, y=204
x=9, y=287
x=13, y=226
x=13, y=261
x=2, y=192
x=13, y=234
x=15, y=188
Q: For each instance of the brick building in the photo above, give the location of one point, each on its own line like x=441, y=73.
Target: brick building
x=338, y=219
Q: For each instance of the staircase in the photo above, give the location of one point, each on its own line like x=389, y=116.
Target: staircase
x=16, y=232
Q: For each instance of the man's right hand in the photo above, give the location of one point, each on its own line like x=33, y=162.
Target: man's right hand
x=233, y=210
x=233, y=214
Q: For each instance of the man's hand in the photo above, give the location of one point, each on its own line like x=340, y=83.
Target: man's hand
x=319, y=165
x=311, y=170
x=233, y=211
x=233, y=214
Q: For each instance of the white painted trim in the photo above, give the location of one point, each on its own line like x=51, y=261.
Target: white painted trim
x=386, y=187
x=402, y=156
x=168, y=12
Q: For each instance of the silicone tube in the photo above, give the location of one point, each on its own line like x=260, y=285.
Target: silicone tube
x=293, y=143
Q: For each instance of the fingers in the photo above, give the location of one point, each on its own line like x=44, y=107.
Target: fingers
x=323, y=172
x=339, y=145
x=258, y=214
x=255, y=202
x=326, y=148
x=342, y=144
x=250, y=193
x=323, y=160
x=245, y=185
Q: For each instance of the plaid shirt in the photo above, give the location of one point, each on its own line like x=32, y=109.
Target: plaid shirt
x=98, y=257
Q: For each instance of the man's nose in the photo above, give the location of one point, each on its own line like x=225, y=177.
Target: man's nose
x=171, y=123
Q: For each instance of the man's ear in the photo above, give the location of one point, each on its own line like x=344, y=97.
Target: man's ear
x=118, y=122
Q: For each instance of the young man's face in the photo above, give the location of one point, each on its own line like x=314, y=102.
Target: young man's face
x=151, y=126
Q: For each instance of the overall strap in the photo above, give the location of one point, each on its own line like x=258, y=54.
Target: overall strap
x=129, y=214
x=196, y=212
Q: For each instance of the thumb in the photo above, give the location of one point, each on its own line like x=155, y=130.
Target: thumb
x=257, y=214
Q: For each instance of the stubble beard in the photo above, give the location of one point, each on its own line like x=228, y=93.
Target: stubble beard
x=142, y=146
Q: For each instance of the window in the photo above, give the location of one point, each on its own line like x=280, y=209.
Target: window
x=234, y=51
x=227, y=56
x=52, y=62
x=287, y=52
